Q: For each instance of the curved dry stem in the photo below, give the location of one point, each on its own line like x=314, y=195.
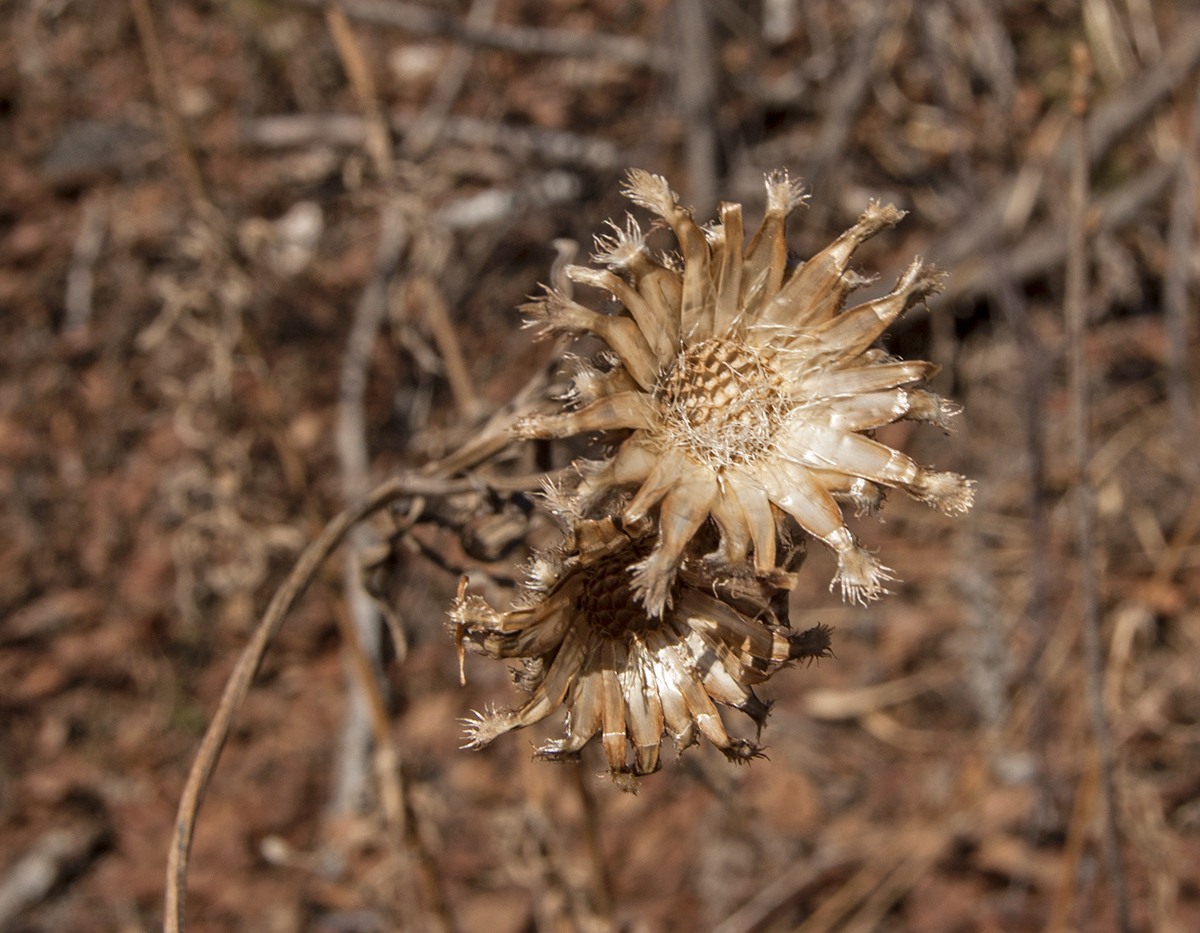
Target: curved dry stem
x=238, y=685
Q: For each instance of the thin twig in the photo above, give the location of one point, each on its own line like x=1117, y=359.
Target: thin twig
x=437, y=316
x=1111, y=120
x=846, y=98
x=602, y=902
x=379, y=140
x=156, y=65
x=428, y=126
x=803, y=872
x=416, y=18
x=1045, y=249
x=1035, y=370
x=696, y=87
x=1075, y=311
x=1077, y=832
x=353, y=457
x=301, y=130
x=1181, y=234
x=56, y=857
x=88, y=242
x=237, y=687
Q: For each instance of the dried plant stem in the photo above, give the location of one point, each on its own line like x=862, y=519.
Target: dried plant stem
x=846, y=97
x=1111, y=120
x=697, y=89
x=1035, y=365
x=1181, y=234
x=421, y=19
x=355, y=747
x=400, y=823
x=299, y=130
x=1075, y=301
x=799, y=875
x=240, y=680
x=88, y=243
x=602, y=902
x=837, y=907
x=437, y=316
x=427, y=127
x=379, y=141
x=156, y=65
x=1077, y=831
x=387, y=755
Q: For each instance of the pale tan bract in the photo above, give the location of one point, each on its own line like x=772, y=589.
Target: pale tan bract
x=747, y=388
x=629, y=676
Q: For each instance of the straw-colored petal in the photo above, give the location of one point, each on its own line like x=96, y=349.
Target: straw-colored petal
x=766, y=256
x=826, y=383
x=612, y=704
x=729, y=288
x=667, y=473
x=654, y=321
x=633, y=462
x=584, y=716
x=684, y=510
x=804, y=299
x=827, y=447
x=643, y=708
x=624, y=410
x=852, y=332
x=746, y=491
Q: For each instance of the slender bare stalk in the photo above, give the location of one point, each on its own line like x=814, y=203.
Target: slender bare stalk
x=458, y=374
x=88, y=244
x=156, y=65
x=355, y=748
x=426, y=129
x=1075, y=301
x=240, y=680
x=602, y=901
x=1181, y=235
x=379, y=141
x=528, y=40
x=696, y=84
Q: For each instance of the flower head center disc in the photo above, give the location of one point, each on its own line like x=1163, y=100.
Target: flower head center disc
x=723, y=402
x=606, y=599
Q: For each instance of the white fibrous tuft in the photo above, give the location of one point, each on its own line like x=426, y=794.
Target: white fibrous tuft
x=784, y=194
x=622, y=247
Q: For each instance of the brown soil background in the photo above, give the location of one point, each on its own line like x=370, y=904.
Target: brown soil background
x=169, y=442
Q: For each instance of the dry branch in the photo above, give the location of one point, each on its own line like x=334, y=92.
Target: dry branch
x=560, y=147
x=353, y=456
x=528, y=40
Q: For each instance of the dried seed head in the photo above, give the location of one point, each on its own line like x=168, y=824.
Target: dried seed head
x=722, y=402
x=748, y=388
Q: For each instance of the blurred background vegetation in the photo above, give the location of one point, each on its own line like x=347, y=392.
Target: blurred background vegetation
x=256, y=255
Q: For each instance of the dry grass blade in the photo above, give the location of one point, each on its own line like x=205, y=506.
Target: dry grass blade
x=1075, y=311
x=379, y=141
x=156, y=64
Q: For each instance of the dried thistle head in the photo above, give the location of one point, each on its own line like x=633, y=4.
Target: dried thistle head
x=622, y=672
x=749, y=389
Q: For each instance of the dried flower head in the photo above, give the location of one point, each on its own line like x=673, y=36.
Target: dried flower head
x=747, y=388
x=622, y=672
